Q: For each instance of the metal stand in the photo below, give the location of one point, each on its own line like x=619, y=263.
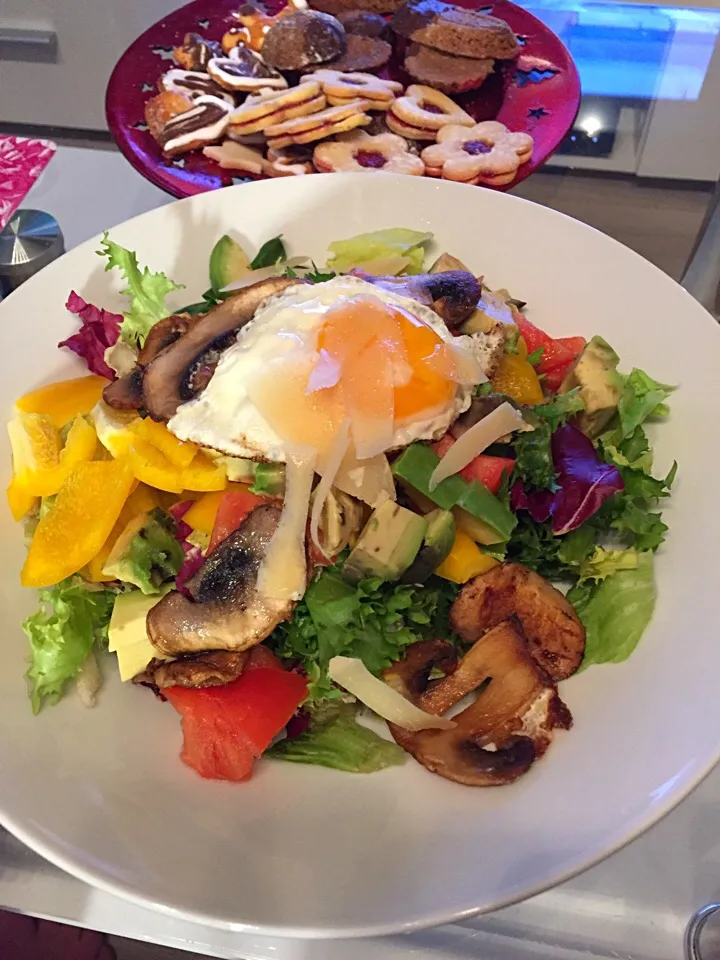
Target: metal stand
x=701, y=277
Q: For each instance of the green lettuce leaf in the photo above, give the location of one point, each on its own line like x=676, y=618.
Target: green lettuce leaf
x=372, y=620
x=563, y=405
x=270, y=253
x=533, y=456
x=616, y=611
x=147, y=292
x=602, y=563
x=61, y=634
x=641, y=396
x=379, y=245
x=335, y=739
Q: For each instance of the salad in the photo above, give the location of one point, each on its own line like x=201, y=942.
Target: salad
x=337, y=515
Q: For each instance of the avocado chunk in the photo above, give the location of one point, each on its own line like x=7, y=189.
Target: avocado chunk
x=228, y=262
x=269, y=479
x=436, y=545
x=595, y=373
x=388, y=544
x=146, y=553
x=127, y=633
x=491, y=520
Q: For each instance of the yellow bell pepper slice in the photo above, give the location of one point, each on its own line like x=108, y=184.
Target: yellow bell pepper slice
x=179, y=452
x=516, y=378
x=141, y=501
x=201, y=515
x=64, y=400
x=465, y=561
x=79, y=447
x=78, y=523
x=153, y=468
x=35, y=443
x=19, y=500
x=204, y=475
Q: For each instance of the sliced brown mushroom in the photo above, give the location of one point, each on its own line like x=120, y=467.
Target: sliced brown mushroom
x=185, y=367
x=453, y=294
x=479, y=408
x=209, y=669
x=496, y=738
x=225, y=610
x=555, y=635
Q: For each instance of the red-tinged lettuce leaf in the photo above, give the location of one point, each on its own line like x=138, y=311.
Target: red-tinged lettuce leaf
x=99, y=330
x=194, y=557
x=584, y=483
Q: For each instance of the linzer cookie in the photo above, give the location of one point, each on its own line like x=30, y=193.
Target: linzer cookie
x=444, y=72
x=204, y=123
x=358, y=152
x=341, y=88
x=193, y=84
x=363, y=54
x=260, y=112
x=485, y=153
x=318, y=126
x=422, y=111
x=244, y=71
x=195, y=52
x=163, y=108
x=455, y=30
x=302, y=39
x=235, y=156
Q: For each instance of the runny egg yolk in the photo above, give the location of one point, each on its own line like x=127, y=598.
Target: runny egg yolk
x=374, y=364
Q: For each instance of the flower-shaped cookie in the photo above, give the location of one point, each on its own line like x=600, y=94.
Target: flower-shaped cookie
x=358, y=152
x=486, y=153
x=339, y=88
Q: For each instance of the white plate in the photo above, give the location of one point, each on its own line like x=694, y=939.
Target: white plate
x=308, y=852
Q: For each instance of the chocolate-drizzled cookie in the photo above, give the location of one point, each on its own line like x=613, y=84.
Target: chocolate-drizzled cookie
x=204, y=123
x=196, y=52
x=193, y=84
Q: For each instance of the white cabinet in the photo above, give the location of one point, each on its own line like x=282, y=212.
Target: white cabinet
x=69, y=90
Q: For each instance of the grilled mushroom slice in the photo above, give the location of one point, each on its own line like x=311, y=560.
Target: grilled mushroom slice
x=453, y=294
x=225, y=611
x=210, y=669
x=498, y=737
x=555, y=635
x=185, y=367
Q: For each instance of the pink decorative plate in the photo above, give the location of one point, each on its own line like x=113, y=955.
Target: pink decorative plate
x=539, y=93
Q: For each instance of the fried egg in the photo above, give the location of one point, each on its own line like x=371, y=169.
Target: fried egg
x=334, y=356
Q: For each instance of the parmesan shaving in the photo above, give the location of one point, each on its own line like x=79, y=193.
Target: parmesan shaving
x=368, y=480
x=283, y=572
x=329, y=469
x=501, y=421
x=352, y=674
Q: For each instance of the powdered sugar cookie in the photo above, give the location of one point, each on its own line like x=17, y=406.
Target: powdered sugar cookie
x=204, y=123
x=235, y=156
x=193, y=84
x=485, y=153
x=260, y=112
x=422, y=111
x=319, y=126
x=358, y=152
x=341, y=88
x=245, y=71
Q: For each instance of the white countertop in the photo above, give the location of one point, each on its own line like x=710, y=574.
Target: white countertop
x=632, y=907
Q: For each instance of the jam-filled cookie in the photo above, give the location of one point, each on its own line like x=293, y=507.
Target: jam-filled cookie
x=485, y=153
x=358, y=152
x=318, y=126
x=265, y=110
x=422, y=111
x=341, y=88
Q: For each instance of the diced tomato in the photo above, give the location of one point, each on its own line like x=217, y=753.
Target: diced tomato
x=554, y=352
x=575, y=345
x=234, y=507
x=488, y=470
x=556, y=374
x=226, y=728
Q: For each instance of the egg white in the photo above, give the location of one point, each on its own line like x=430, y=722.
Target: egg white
x=224, y=418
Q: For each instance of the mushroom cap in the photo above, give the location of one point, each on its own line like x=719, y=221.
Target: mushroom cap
x=452, y=294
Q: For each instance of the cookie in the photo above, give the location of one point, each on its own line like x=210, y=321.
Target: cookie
x=195, y=52
x=341, y=88
x=193, y=84
x=291, y=162
x=364, y=24
x=485, y=153
x=345, y=6
x=261, y=111
x=363, y=54
x=234, y=156
x=163, y=108
x=318, y=126
x=244, y=71
x=359, y=152
x=235, y=37
x=302, y=39
x=455, y=30
x=444, y=72
x=204, y=123
x=422, y=111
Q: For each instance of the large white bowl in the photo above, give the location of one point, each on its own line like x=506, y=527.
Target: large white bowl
x=309, y=852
